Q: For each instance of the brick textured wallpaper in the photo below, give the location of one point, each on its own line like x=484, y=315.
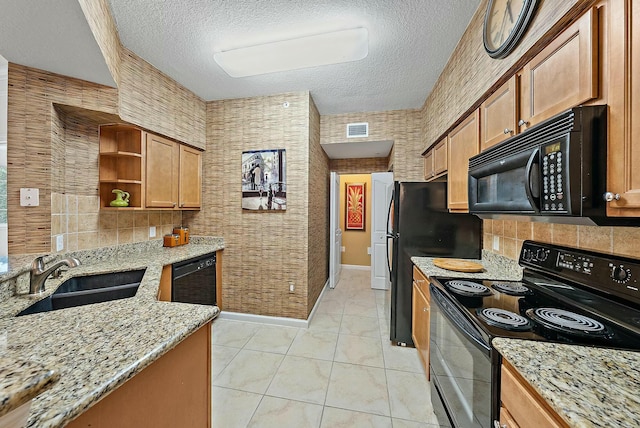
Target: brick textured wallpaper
x=265, y=251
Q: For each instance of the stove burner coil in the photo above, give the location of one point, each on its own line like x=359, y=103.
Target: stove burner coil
x=567, y=322
x=504, y=319
x=467, y=288
x=511, y=288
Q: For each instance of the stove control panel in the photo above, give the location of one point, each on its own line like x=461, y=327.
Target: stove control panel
x=611, y=274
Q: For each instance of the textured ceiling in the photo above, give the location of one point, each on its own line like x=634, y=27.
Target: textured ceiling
x=51, y=35
x=410, y=41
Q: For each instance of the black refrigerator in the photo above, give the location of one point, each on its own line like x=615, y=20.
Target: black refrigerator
x=419, y=224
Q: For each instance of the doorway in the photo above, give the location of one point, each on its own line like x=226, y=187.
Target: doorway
x=362, y=246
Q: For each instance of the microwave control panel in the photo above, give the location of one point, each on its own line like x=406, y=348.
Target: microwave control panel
x=554, y=178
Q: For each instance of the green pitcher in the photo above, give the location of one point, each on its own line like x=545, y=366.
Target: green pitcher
x=121, y=200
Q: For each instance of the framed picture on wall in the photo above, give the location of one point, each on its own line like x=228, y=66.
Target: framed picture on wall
x=264, y=180
x=355, y=206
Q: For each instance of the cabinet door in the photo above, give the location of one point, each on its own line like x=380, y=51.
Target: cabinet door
x=564, y=74
x=428, y=165
x=624, y=110
x=440, y=161
x=190, y=177
x=420, y=320
x=464, y=142
x=498, y=115
x=524, y=405
x=163, y=158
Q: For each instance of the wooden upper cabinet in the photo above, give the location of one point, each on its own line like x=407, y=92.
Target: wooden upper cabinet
x=435, y=160
x=498, y=114
x=624, y=109
x=190, y=193
x=464, y=142
x=428, y=166
x=563, y=75
x=163, y=157
x=440, y=161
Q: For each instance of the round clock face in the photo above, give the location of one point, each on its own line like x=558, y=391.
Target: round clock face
x=504, y=25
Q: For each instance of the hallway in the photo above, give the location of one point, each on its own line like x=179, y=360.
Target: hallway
x=340, y=372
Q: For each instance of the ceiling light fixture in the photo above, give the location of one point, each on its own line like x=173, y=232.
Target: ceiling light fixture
x=304, y=52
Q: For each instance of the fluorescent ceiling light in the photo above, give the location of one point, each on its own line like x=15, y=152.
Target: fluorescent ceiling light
x=303, y=52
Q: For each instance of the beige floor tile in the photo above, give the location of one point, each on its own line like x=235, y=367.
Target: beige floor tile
x=360, y=326
x=313, y=344
x=409, y=395
x=272, y=338
x=221, y=356
x=232, y=408
x=280, y=413
x=327, y=322
x=331, y=306
x=235, y=334
x=360, y=308
x=250, y=371
x=340, y=418
x=401, y=358
x=401, y=423
x=358, y=388
x=302, y=379
x=366, y=351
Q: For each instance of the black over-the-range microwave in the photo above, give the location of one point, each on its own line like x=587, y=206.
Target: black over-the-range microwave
x=555, y=171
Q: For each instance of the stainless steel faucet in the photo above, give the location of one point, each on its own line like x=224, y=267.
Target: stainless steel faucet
x=39, y=274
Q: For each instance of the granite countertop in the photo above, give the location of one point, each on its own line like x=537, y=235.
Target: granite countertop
x=496, y=267
x=20, y=381
x=586, y=386
x=94, y=349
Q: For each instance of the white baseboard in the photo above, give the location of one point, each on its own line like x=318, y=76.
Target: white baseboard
x=283, y=321
x=356, y=267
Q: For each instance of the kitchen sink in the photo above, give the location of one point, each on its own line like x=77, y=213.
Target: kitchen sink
x=85, y=290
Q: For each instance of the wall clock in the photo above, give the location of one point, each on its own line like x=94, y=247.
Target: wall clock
x=504, y=24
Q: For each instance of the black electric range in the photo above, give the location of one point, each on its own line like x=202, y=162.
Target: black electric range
x=565, y=295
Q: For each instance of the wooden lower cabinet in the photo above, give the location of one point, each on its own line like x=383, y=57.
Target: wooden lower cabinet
x=521, y=405
x=174, y=391
x=420, y=312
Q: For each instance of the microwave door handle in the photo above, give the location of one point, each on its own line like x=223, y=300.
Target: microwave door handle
x=527, y=184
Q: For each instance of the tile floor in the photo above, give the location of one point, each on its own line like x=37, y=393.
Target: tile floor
x=340, y=372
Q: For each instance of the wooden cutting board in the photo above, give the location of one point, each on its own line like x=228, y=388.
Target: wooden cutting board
x=458, y=265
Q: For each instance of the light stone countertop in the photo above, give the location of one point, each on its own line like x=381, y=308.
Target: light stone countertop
x=586, y=386
x=93, y=348
x=496, y=267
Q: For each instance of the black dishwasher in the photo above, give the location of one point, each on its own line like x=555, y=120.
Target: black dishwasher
x=194, y=280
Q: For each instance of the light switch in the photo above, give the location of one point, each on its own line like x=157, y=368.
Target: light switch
x=29, y=197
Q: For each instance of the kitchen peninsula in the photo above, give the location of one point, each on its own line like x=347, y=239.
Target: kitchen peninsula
x=104, y=350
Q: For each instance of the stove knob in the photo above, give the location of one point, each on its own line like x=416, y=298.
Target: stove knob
x=620, y=274
x=541, y=255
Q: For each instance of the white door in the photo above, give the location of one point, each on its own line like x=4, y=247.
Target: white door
x=381, y=190
x=335, y=247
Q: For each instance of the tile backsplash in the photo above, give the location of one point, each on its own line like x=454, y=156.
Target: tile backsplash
x=506, y=237
x=83, y=225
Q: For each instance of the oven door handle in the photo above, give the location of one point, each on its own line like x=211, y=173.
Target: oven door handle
x=458, y=319
x=533, y=199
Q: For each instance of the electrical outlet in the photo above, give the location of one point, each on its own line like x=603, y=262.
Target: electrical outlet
x=369, y=250
x=343, y=249
x=59, y=242
x=292, y=287
x=152, y=231
x=496, y=243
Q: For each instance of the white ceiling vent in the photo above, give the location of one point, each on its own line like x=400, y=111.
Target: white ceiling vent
x=357, y=130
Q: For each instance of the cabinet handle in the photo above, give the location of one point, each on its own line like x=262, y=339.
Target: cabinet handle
x=610, y=196
x=425, y=309
x=174, y=204
x=496, y=424
x=522, y=122
x=507, y=131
